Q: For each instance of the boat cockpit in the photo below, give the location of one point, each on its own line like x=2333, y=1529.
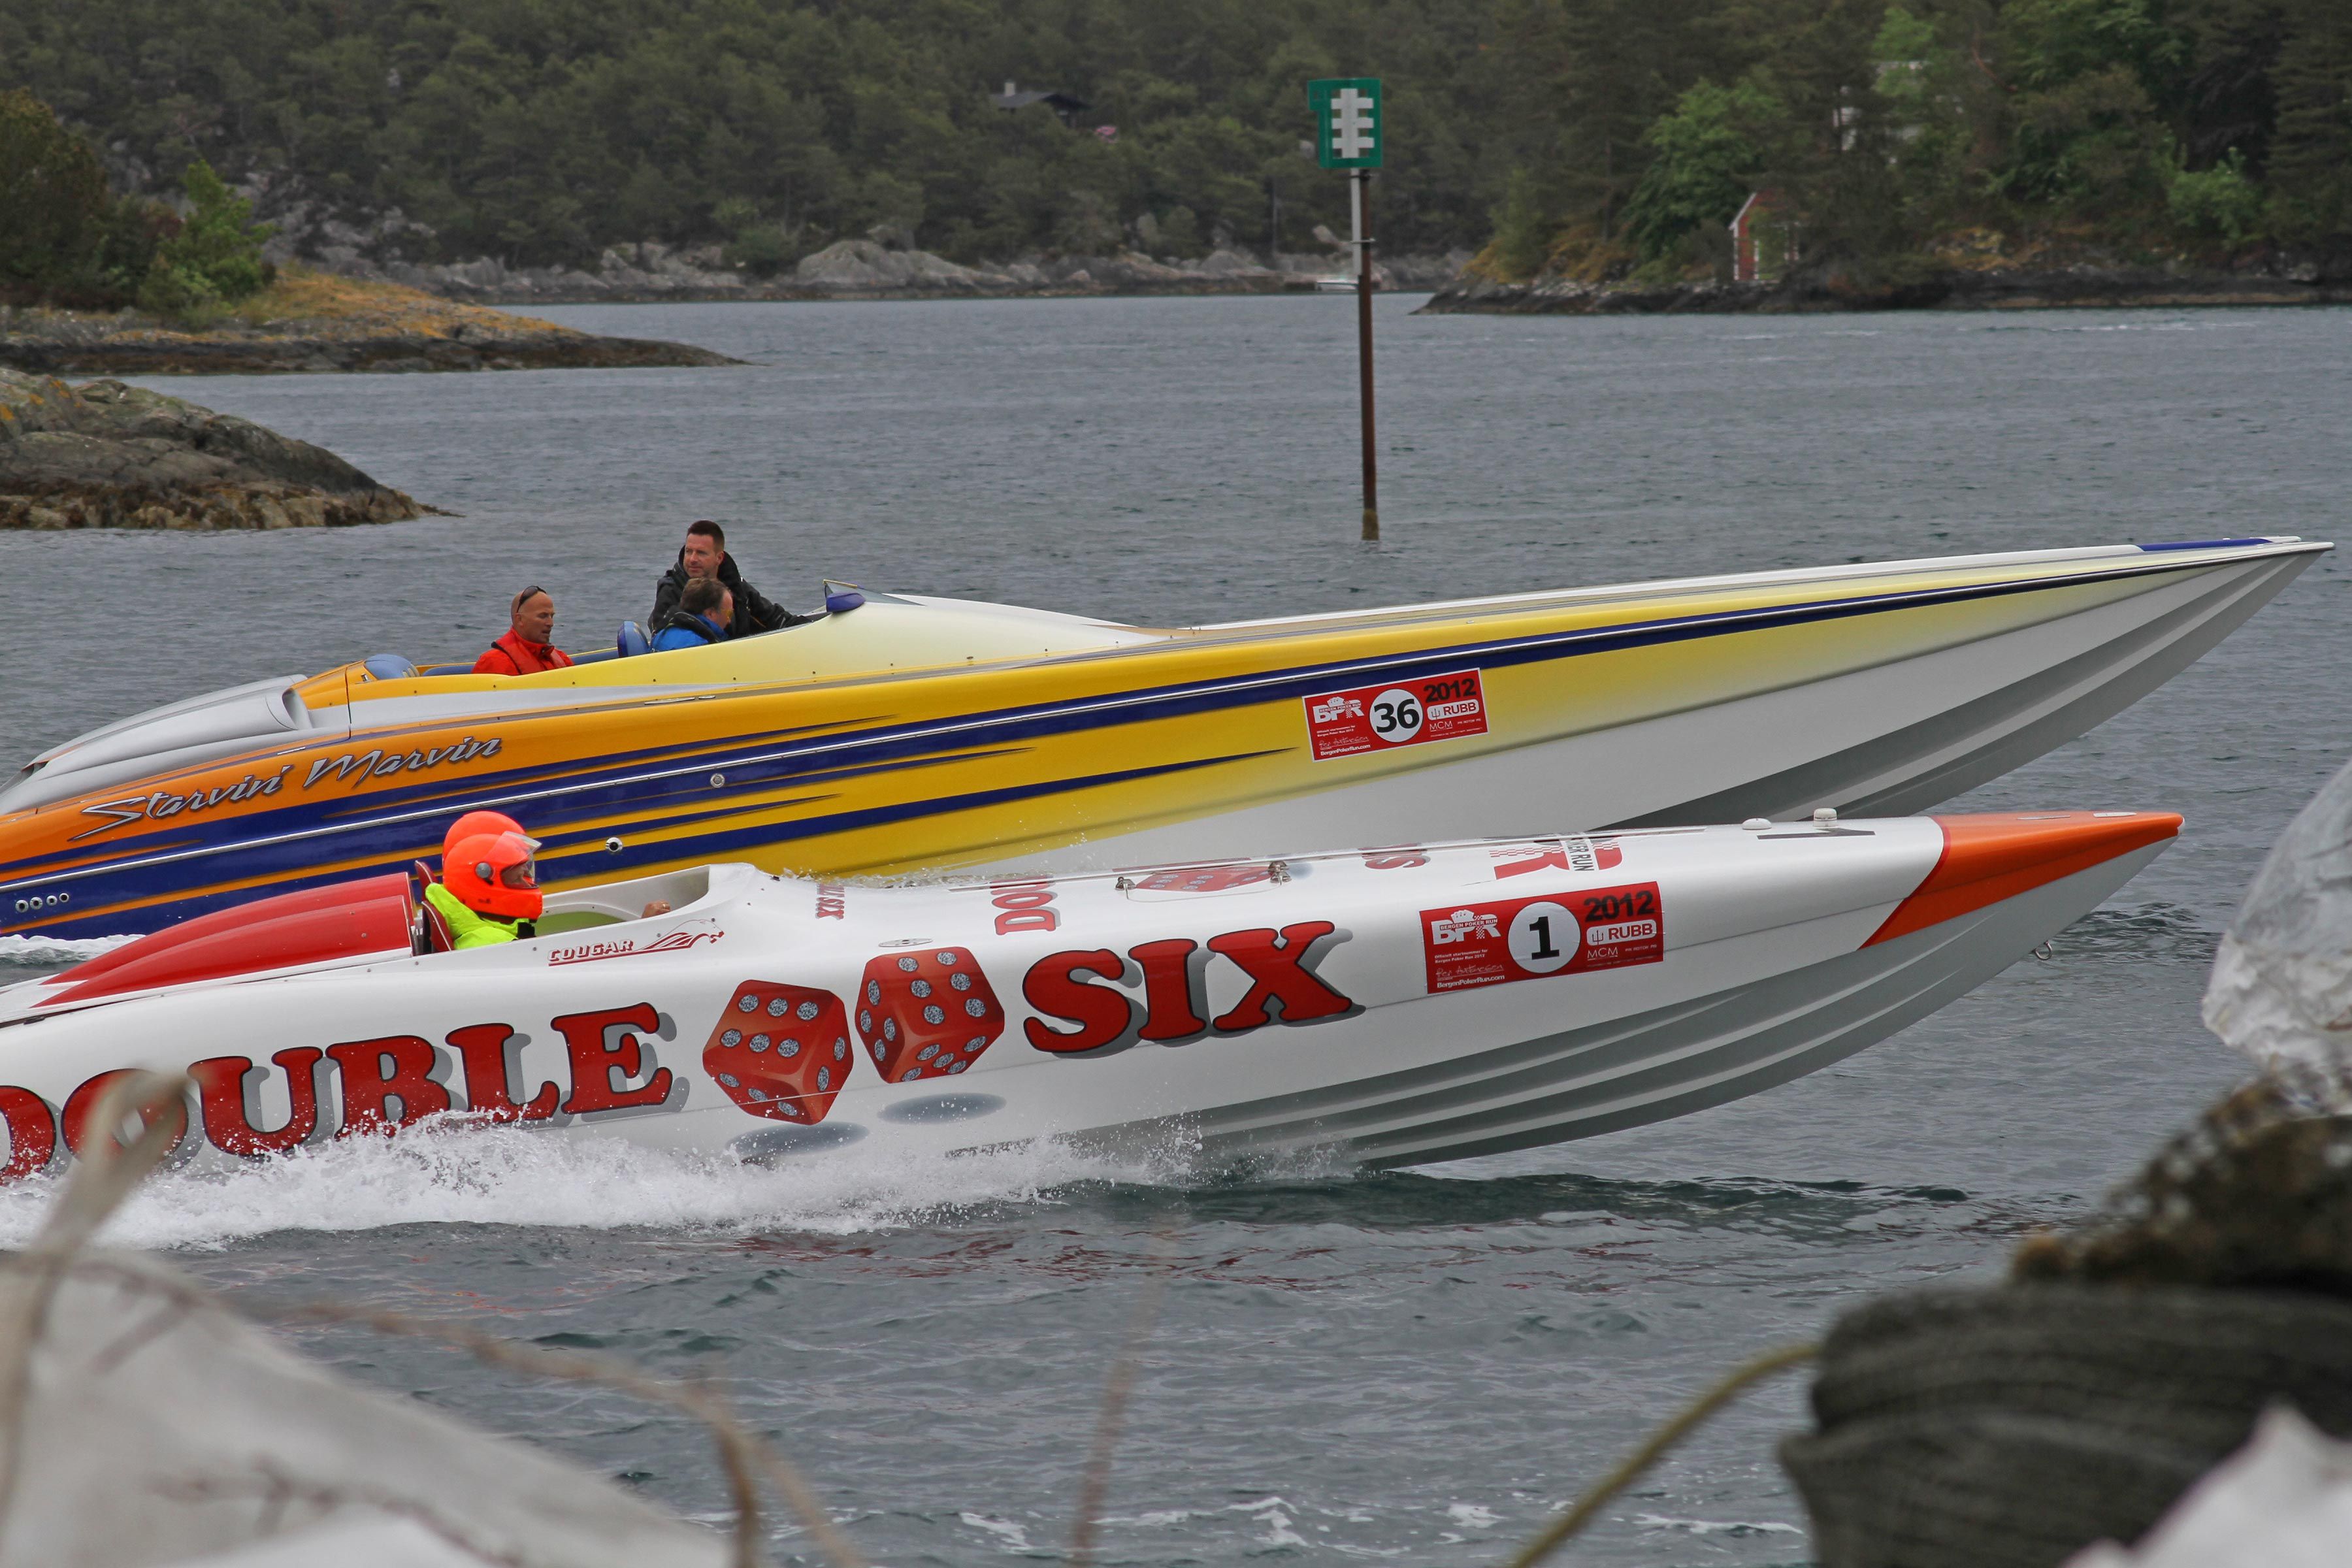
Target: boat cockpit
x=894, y=632
x=573, y=910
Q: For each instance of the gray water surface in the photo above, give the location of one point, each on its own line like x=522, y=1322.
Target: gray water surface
x=1415, y=1364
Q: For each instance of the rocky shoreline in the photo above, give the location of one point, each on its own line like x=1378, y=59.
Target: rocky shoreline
x=314, y=322
x=104, y=454
x=2083, y=286
x=867, y=269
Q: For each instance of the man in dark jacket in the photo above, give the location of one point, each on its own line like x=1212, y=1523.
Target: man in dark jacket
x=705, y=555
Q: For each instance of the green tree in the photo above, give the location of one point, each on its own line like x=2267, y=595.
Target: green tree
x=215, y=259
x=543, y=131
x=2087, y=137
x=2218, y=200
x=1924, y=86
x=1524, y=229
x=2311, y=151
x=1708, y=153
x=53, y=193
x=1179, y=233
x=2227, y=98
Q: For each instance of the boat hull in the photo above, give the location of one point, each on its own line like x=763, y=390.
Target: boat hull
x=1864, y=688
x=1388, y=1007
x=1669, y=1061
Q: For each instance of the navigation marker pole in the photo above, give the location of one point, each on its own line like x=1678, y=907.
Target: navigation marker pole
x=1348, y=135
x=1362, y=180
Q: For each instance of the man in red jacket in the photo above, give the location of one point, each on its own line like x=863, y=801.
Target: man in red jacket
x=525, y=650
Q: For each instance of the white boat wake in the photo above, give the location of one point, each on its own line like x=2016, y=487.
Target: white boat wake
x=52, y=951
x=477, y=1176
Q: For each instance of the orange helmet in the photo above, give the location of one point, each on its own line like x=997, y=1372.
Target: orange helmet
x=473, y=822
x=495, y=874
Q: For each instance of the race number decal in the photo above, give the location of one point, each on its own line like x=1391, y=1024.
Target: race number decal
x=1557, y=933
x=1375, y=717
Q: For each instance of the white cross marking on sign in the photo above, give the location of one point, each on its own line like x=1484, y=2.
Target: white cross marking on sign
x=1351, y=124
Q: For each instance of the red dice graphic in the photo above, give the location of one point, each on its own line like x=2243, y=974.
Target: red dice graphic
x=927, y=1013
x=781, y=1051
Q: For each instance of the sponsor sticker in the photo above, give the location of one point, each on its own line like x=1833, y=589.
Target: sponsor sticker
x=1531, y=938
x=1556, y=855
x=1409, y=714
x=1204, y=879
x=677, y=941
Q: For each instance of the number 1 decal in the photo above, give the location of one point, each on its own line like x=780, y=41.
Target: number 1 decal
x=1409, y=714
x=1529, y=939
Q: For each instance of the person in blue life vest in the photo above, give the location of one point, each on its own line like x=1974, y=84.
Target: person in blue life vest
x=705, y=612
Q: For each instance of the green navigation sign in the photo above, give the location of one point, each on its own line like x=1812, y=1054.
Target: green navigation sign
x=1348, y=129
x=1348, y=135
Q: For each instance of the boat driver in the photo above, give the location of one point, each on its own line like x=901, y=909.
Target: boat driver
x=483, y=894
x=704, y=554
x=489, y=890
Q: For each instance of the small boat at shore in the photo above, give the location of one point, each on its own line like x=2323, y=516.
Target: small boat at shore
x=1392, y=1005
x=902, y=735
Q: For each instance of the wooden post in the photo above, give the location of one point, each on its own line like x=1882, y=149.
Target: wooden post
x=1362, y=180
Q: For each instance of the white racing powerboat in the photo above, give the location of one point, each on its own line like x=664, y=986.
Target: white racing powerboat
x=1392, y=1005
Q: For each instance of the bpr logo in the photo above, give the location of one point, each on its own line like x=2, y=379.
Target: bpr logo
x=1461, y=926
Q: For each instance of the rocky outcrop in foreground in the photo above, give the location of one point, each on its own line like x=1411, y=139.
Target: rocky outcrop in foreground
x=867, y=269
x=104, y=454
x=318, y=321
x=1958, y=288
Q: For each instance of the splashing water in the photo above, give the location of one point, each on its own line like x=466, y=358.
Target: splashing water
x=30, y=957
x=506, y=1178
x=2282, y=986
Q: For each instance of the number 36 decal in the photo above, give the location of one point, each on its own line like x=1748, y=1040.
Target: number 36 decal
x=1406, y=714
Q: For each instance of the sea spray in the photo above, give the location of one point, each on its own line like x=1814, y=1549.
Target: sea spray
x=500, y=1176
x=31, y=957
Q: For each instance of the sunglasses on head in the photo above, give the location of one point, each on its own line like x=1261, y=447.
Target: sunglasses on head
x=525, y=597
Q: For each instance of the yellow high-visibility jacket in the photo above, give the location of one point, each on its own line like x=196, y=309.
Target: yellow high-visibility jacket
x=468, y=928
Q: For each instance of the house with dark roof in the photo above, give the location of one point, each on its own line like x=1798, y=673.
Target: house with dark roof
x=1066, y=105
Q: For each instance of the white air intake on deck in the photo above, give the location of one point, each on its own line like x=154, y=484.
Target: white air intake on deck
x=179, y=734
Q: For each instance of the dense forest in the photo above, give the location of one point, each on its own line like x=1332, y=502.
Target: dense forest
x=1608, y=135
x=1900, y=137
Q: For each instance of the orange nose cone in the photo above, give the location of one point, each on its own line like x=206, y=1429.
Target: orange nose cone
x=2000, y=855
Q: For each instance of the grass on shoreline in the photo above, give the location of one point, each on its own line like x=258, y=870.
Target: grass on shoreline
x=303, y=302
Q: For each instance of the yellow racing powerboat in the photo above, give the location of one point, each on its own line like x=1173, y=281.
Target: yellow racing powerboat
x=901, y=735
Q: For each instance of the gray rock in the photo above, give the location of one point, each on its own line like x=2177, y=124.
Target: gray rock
x=867, y=267
x=1826, y=288
x=104, y=454
x=864, y=265
x=1234, y=264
